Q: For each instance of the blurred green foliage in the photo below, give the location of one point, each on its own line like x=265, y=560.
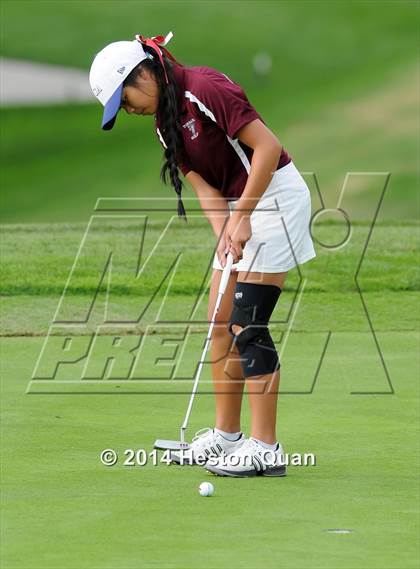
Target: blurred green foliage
x=341, y=96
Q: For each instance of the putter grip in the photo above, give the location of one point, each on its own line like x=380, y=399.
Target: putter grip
x=226, y=274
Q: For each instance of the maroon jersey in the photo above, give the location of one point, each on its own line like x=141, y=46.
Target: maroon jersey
x=213, y=109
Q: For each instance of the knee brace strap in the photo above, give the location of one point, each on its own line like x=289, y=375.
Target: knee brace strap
x=252, y=308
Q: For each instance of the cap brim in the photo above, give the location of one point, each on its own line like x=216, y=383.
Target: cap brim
x=111, y=109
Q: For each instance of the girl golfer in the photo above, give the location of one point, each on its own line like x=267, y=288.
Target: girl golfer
x=259, y=207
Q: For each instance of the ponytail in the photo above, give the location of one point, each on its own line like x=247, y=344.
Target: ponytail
x=168, y=111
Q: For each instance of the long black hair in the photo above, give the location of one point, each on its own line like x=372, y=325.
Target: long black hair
x=169, y=113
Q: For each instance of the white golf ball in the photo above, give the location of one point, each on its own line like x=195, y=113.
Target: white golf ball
x=206, y=489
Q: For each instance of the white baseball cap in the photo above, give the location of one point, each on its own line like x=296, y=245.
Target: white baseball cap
x=109, y=69
x=107, y=73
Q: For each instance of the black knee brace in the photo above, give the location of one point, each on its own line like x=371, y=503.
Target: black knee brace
x=253, y=306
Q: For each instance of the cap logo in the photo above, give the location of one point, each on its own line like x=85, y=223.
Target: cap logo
x=121, y=70
x=96, y=91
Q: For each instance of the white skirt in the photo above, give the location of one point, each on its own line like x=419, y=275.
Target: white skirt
x=281, y=237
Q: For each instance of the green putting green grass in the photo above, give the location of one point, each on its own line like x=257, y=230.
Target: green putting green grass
x=63, y=508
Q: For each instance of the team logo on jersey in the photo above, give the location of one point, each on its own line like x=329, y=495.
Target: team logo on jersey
x=190, y=125
x=238, y=295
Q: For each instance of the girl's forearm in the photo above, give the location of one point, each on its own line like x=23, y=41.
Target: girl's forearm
x=213, y=204
x=263, y=165
x=216, y=213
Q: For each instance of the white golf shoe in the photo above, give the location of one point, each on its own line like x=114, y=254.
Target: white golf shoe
x=250, y=459
x=205, y=444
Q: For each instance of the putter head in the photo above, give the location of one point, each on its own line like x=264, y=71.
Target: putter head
x=163, y=444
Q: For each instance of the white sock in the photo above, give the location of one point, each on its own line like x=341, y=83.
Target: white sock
x=266, y=445
x=228, y=436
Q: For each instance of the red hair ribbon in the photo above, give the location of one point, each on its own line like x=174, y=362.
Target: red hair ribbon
x=157, y=43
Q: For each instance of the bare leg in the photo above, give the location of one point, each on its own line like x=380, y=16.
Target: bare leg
x=263, y=389
x=229, y=382
x=262, y=392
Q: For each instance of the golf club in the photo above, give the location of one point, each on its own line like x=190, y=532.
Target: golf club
x=164, y=444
